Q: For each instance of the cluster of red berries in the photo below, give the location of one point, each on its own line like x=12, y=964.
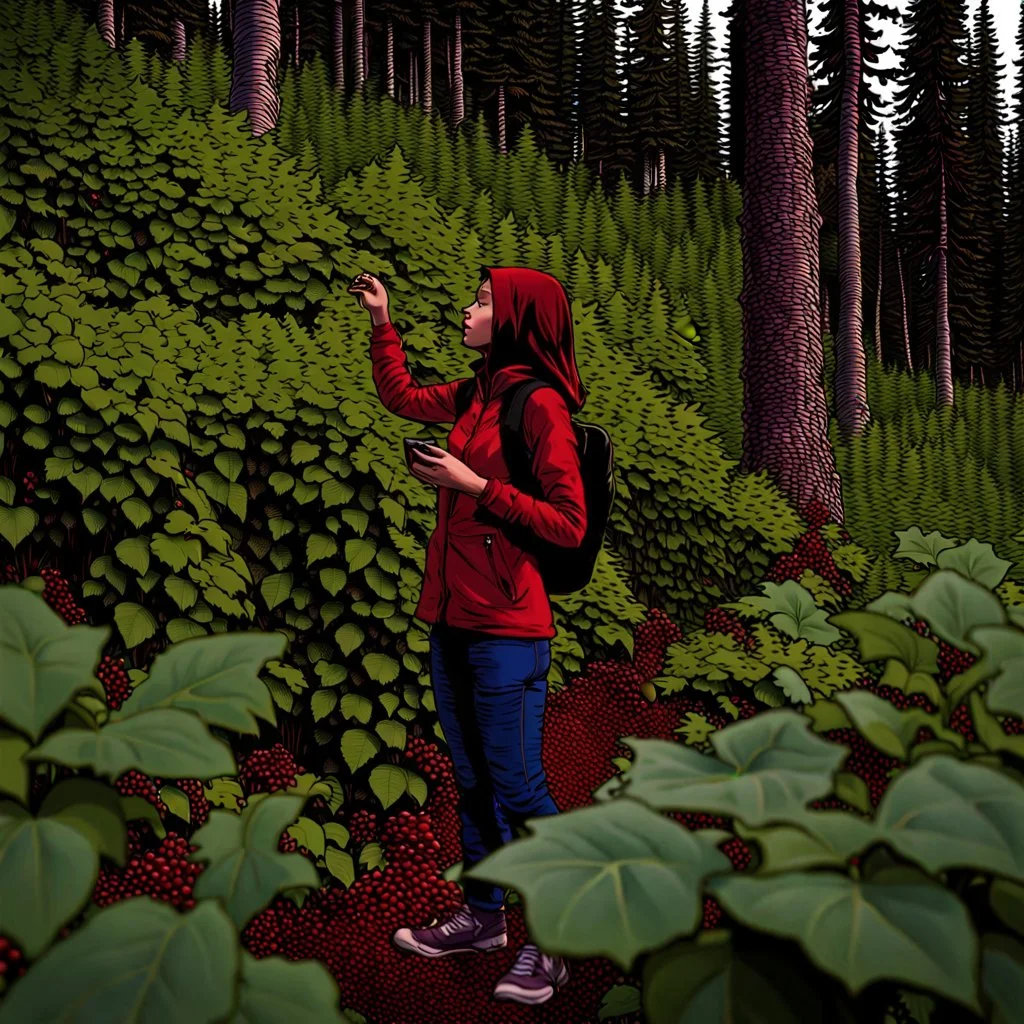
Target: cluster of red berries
x=117, y=686
x=865, y=761
x=12, y=960
x=134, y=783
x=816, y=514
x=297, y=933
x=952, y=661
x=57, y=595
x=268, y=771
x=198, y=805
x=410, y=835
x=443, y=806
x=721, y=620
x=164, y=874
x=362, y=827
x=897, y=698
x=746, y=708
x=29, y=480
x=651, y=638
x=712, y=913
x=287, y=843
x=427, y=759
x=811, y=552
x=11, y=574
x=738, y=853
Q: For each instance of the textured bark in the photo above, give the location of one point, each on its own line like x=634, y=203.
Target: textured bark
x=502, y=138
x=851, y=371
x=943, y=347
x=389, y=49
x=903, y=309
x=458, y=87
x=661, y=169
x=428, y=66
x=105, y=22
x=785, y=417
x=178, y=34
x=412, y=78
x=826, y=308
x=339, y=46
x=359, y=43
x=257, y=51
x=878, y=294
x=122, y=27
x=297, y=30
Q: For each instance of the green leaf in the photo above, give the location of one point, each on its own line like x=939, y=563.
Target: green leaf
x=371, y=856
x=309, y=834
x=886, y=727
x=94, y=520
x=244, y=868
x=183, y=593
x=341, y=865
x=94, y=810
x=1007, y=901
x=359, y=553
x=332, y=580
x=620, y=1001
x=944, y=813
x=137, y=808
x=788, y=680
x=953, y=606
x=1002, y=977
x=143, y=958
x=976, y=561
x=229, y=464
x=919, y=548
x=45, y=662
x=168, y=742
x=1002, y=650
x=137, y=512
x=184, y=629
x=17, y=524
x=14, y=776
x=177, y=802
x=381, y=668
x=135, y=623
x=47, y=873
x=276, y=588
x=323, y=703
x=134, y=552
x=392, y=733
x=337, y=833
x=816, y=839
x=900, y=926
x=388, y=782
x=768, y=769
x=795, y=612
x=279, y=991
x=880, y=638
x=355, y=705
x=216, y=677
x=320, y=546
x=349, y=637
x=358, y=746
x=613, y=880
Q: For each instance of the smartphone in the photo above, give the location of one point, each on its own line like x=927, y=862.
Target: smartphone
x=411, y=444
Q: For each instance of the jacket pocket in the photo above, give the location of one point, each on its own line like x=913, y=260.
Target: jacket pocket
x=504, y=579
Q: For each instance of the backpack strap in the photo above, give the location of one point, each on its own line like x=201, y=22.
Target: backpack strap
x=513, y=418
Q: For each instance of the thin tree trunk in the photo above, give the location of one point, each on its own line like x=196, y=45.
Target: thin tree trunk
x=295, y=26
x=785, y=416
x=257, y=51
x=661, y=169
x=178, y=49
x=458, y=86
x=502, y=138
x=231, y=14
x=943, y=346
x=412, y=78
x=878, y=294
x=105, y=23
x=826, y=307
x=981, y=375
x=448, y=62
x=390, y=56
x=359, y=44
x=903, y=309
x=428, y=67
x=339, y=46
x=648, y=170
x=122, y=27
x=851, y=371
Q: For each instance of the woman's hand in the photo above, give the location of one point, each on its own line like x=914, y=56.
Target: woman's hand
x=434, y=465
x=372, y=296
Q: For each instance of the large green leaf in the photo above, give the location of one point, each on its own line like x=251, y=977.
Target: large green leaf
x=953, y=606
x=94, y=809
x=216, y=677
x=768, y=769
x=613, y=880
x=1003, y=658
x=945, y=813
x=381, y=668
x=135, y=623
x=815, y=839
x=17, y=524
x=43, y=661
x=794, y=612
x=47, y=872
x=976, y=561
x=900, y=926
x=134, y=552
x=1002, y=977
x=888, y=728
x=244, y=867
x=132, y=963
x=357, y=747
x=167, y=742
x=390, y=781
x=880, y=638
x=920, y=548
x=276, y=588
x=14, y=774
x=279, y=991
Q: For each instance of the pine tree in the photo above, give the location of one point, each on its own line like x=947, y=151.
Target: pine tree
x=600, y=92
x=649, y=90
x=684, y=155
x=707, y=127
x=736, y=49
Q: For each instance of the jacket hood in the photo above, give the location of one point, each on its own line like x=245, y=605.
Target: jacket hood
x=531, y=332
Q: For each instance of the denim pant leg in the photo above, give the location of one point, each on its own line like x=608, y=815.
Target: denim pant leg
x=484, y=828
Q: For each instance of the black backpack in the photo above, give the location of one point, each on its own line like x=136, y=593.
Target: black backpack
x=564, y=570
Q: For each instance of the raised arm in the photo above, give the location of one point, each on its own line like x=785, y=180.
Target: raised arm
x=560, y=517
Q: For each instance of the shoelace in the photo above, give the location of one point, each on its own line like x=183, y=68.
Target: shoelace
x=462, y=918
x=526, y=962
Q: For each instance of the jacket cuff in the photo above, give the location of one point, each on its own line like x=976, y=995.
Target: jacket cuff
x=495, y=498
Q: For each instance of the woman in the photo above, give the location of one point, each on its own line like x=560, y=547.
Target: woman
x=490, y=641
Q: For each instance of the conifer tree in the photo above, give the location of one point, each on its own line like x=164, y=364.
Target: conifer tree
x=600, y=92
x=682, y=108
x=650, y=89
x=736, y=49
x=707, y=128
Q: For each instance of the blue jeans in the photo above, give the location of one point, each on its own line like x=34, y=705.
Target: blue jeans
x=490, y=692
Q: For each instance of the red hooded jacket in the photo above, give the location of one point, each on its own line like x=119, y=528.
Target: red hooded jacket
x=476, y=577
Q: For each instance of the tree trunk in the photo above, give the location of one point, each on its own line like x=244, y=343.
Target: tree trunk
x=943, y=347
x=122, y=27
x=412, y=77
x=903, y=309
x=339, y=46
x=661, y=169
x=359, y=44
x=851, y=372
x=826, y=307
x=428, y=67
x=178, y=33
x=257, y=50
x=648, y=173
x=105, y=23
x=502, y=146
x=458, y=94
x=390, y=57
x=295, y=26
x=785, y=417
x=878, y=294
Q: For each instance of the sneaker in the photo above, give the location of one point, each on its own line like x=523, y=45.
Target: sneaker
x=468, y=931
x=534, y=977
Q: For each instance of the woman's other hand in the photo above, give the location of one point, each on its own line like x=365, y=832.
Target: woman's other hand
x=373, y=296
x=435, y=466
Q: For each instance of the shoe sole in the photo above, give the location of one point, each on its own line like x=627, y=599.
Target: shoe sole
x=404, y=939
x=508, y=991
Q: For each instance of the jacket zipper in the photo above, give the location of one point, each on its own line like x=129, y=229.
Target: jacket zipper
x=488, y=542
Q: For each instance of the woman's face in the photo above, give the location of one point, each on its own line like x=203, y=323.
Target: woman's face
x=477, y=322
